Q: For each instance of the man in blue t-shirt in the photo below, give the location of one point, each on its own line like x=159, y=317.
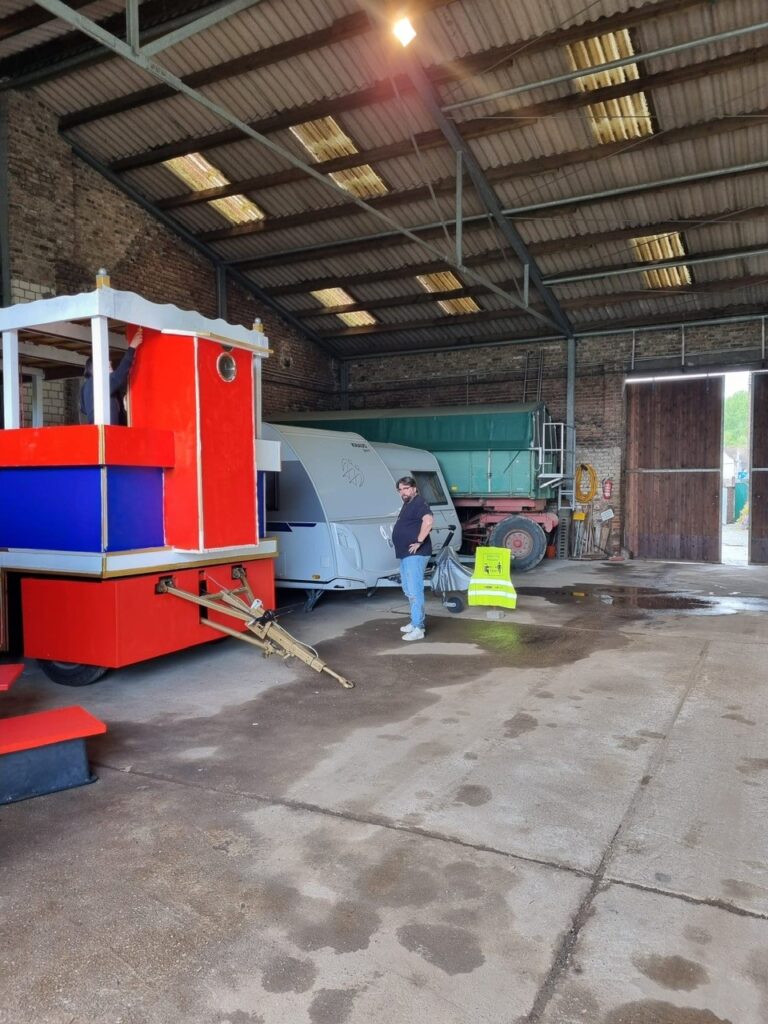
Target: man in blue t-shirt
x=413, y=547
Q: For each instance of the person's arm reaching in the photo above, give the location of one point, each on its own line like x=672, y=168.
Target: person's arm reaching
x=119, y=377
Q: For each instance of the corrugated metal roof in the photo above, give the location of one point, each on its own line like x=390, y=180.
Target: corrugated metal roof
x=512, y=43
x=51, y=28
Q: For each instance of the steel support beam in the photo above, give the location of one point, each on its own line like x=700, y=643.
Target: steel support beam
x=93, y=30
x=514, y=212
x=459, y=206
x=50, y=69
x=553, y=339
x=599, y=68
x=484, y=189
x=132, y=24
x=678, y=261
x=28, y=18
x=226, y=10
x=426, y=299
x=570, y=415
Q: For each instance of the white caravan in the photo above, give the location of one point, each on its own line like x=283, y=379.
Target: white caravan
x=334, y=502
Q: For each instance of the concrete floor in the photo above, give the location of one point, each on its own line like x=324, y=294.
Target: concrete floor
x=734, y=544
x=551, y=818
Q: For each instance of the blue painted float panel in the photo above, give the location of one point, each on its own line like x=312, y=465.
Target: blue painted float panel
x=134, y=508
x=261, y=502
x=58, y=508
x=51, y=508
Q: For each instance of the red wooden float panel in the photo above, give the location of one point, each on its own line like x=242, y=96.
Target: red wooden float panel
x=9, y=674
x=50, y=446
x=137, y=446
x=228, y=457
x=82, y=446
x=166, y=399
x=119, y=622
x=42, y=728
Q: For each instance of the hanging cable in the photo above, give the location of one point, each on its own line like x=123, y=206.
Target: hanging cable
x=586, y=483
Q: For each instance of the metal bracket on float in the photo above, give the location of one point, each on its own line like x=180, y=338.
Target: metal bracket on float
x=261, y=626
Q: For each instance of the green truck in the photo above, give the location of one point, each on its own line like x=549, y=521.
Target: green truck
x=504, y=465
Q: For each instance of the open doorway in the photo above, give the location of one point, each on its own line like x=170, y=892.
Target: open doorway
x=734, y=510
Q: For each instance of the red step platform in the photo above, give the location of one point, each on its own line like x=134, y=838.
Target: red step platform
x=8, y=675
x=45, y=752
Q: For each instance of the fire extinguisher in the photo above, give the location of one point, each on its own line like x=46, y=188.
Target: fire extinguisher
x=607, y=488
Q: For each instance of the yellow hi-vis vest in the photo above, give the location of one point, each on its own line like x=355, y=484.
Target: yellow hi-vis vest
x=491, y=583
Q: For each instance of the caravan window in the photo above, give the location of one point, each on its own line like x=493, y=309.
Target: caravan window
x=430, y=487
x=272, y=491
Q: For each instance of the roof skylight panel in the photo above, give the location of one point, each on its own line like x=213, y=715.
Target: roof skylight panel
x=653, y=248
x=623, y=118
x=325, y=139
x=196, y=172
x=445, y=281
x=332, y=297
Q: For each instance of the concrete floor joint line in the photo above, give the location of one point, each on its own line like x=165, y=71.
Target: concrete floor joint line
x=568, y=943
x=296, y=805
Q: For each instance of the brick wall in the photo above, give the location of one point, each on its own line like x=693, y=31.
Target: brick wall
x=498, y=374
x=56, y=402
x=66, y=221
x=28, y=291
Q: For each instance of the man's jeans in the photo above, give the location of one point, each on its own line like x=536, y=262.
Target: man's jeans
x=412, y=570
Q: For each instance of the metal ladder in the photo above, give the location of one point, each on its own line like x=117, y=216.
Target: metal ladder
x=552, y=453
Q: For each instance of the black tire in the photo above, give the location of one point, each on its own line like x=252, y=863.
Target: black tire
x=454, y=604
x=72, y=673
x=525, y=538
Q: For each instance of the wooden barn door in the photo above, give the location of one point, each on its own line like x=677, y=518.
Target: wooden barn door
x=674, y=441
x=758, y=482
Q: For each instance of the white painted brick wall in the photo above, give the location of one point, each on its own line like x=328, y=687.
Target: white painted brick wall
x=28, y=291
x=55, y=403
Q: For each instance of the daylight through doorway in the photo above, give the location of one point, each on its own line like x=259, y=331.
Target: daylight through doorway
x=734, y=509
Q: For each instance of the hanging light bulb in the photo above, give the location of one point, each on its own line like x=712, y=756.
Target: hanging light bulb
x=404, y=31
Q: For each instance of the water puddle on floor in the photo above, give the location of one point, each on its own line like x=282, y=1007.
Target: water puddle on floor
x=647, y=599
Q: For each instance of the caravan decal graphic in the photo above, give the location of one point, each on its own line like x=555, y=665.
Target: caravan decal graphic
x=352, y=473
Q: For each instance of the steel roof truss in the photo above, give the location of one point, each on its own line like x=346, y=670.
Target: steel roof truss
x=225, y=10
x=596, y=69
x=89, y=27
x=284, y=256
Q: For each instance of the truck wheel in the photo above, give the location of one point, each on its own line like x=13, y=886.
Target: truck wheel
x=71, y=673
x=525, y=539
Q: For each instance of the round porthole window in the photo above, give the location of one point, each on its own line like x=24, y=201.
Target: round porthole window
x=226, y=366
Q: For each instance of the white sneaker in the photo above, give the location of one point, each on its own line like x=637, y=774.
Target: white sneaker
x=414, y=634
x=406, y=629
